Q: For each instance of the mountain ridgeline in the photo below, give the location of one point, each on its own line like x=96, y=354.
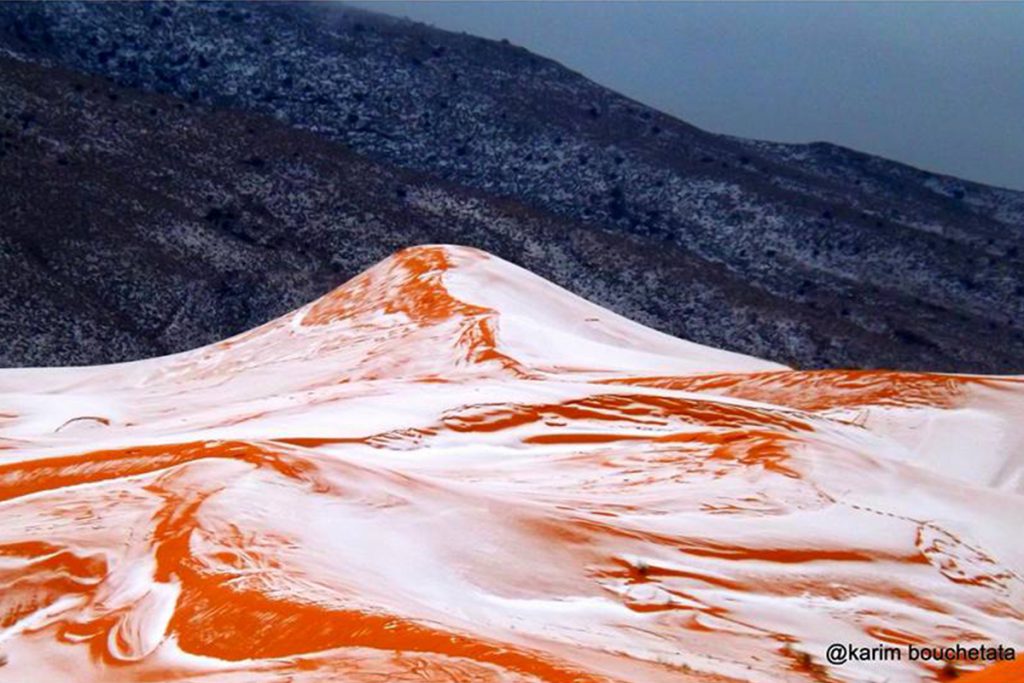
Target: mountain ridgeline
x=175, y=173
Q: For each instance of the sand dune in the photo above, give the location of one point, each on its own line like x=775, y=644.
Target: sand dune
x=450, y=469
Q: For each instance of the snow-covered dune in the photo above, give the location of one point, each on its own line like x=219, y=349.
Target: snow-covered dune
x=451, y=469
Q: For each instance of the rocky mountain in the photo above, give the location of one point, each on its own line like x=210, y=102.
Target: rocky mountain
x=177, y=172
x=449, y=469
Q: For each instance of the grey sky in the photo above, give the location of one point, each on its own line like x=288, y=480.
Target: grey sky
x=936, y=85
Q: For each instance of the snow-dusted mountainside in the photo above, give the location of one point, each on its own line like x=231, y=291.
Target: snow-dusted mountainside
x=451, y=469
x=178, y=172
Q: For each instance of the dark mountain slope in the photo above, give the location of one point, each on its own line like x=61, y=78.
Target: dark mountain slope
x=808, y=254
x=137, y=224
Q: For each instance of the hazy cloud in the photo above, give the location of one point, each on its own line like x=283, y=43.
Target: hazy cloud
x=936, y=85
